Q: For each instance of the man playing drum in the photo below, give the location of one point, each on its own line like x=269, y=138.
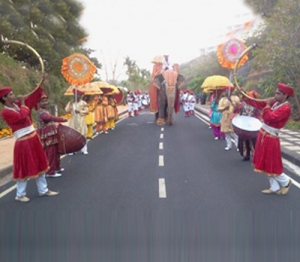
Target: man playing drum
x=267, y=156
x=47, y=130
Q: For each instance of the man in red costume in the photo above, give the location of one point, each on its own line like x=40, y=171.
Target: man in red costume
x=267, y=156
x=29, y=158
x=47, y=130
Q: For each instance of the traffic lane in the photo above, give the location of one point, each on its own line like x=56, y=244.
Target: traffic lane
x=200, y=174
x=119, y=172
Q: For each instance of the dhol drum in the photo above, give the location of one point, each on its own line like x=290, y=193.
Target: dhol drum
x=246, y=127
x=145, y=102
x=69, y=140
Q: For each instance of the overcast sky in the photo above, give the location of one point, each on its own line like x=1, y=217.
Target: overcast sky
x=142, y=29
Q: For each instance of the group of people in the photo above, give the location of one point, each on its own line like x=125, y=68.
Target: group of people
x=136, y=101
x=42, y=158
x=188, y=102
x=274, y=112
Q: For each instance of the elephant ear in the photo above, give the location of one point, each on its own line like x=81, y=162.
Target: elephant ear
x=157, y=81
x=180, y=81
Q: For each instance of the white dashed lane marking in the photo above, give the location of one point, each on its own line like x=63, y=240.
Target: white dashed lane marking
x=161, y=136
x=161, y=160
x=162, y=188
x=161, y=145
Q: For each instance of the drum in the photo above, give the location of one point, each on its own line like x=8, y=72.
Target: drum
x=246, y=127
x=145, y=102
x=69, y=140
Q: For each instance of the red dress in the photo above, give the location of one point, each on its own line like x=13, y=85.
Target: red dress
x=47, y=130
x=29, y=158
x=267, y=156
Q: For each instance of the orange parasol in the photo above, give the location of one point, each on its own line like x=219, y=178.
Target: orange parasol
x=77, y=69
x=229, y=52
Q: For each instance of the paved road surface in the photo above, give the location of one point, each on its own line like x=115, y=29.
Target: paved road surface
x=149, y=193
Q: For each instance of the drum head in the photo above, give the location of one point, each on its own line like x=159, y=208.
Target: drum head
x=246, y=127
x=144, y=102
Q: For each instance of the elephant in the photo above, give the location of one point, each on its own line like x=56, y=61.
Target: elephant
x=168, y=85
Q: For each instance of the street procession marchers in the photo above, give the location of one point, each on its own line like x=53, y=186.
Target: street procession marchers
x=248, y=124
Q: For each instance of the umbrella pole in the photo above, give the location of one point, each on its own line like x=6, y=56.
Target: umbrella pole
x=75, y=108
x=230, y=79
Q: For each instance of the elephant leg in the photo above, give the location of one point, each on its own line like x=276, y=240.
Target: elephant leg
x=162, y=105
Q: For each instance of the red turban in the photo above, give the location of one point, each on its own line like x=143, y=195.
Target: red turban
x=288, y=90
x=43, y=96
x=78, y=92
x=5, y=90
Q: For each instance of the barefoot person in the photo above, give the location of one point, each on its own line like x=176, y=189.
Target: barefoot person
x=29, y=158
x=267, y=155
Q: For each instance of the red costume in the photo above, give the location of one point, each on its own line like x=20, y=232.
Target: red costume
x=47, y=130
x=29, y=158
x=267, y=156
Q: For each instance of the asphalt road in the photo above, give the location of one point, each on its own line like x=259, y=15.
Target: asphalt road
x=150, y=193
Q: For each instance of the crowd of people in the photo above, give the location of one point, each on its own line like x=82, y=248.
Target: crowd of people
x=136, y=101
x=265, y=149
x=43, y=159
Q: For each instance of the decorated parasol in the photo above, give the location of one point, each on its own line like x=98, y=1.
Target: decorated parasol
x=77, y=69
x=215, y=82
x=229, y=52
x=87, y=89
x=120, y=96
x=108, y=89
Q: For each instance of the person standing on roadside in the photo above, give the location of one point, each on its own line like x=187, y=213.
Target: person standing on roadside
x=47, y=130
x=29, y=159
x=267, y=157
x=78, y=109
x=227, y=105
x=216, y=116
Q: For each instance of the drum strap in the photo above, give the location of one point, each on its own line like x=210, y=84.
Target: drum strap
x=271, y=130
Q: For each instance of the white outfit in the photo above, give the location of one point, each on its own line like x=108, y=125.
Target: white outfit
x=276, y=182
x=40, y=182
x=191, y=101
x=130, y=101
x=185, y=103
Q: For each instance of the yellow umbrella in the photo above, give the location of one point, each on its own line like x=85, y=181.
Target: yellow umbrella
x=87, y=89
x=215, y=82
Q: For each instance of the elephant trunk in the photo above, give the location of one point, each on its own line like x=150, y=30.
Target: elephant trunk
x=170, y=109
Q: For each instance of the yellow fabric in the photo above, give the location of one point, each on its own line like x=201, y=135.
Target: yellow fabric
x=216, y=82
x=89, y=131
x=89, y=118
x=111, y=123
x=226, y=125
x=77, y=120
